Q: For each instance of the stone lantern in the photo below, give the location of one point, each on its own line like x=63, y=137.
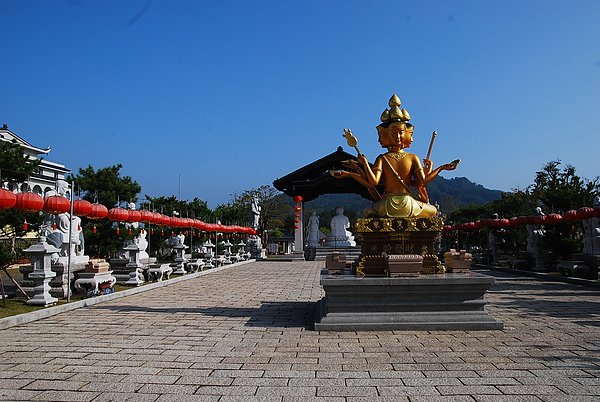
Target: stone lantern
x=227, y=253
x=135, y=267
x=208, y=257
x=42, y=273
x=178, y=264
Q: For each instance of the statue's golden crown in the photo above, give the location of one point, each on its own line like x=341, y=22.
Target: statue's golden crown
x=394, y=113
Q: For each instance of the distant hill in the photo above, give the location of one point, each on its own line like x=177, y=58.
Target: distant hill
x=449, y=194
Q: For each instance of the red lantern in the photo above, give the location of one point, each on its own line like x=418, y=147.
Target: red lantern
x=553, y=218
x=133, y=216
x=570, y=215
x=146, y=216
x=503, y=223
x=514, y=221
x=82, y=208
x=56, y=204
x=25, y=225
x=94, y=230
x=98, y=211
x=297, y=199
x=582, y=213
x=118, y=215
x=29, y=202
x=7, y=199
x=118, y=231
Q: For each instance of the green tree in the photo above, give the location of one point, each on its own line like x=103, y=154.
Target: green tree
x=108, y=187
x=171, y=206
x=556, y=189
x=15, y=168
x=562, y=189
x=276, y=213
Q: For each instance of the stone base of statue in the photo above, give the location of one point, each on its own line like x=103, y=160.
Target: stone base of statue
x=428, y=302
x=96, y=279
x=158, y=272
x=59, y=284
x=340, y=241
x=382, y=237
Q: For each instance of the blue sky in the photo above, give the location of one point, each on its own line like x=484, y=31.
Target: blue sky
x=230, y=95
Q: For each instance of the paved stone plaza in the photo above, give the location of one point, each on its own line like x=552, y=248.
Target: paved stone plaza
x=244, y=334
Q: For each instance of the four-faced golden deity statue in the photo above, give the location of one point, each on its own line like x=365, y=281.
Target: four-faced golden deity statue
x=399, y=170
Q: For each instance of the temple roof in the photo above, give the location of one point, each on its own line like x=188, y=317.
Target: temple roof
x=314, y=179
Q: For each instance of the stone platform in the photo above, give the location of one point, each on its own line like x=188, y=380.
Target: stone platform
x=429, y=302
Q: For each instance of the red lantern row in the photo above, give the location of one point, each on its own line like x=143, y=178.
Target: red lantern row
x=31, y=202
x=550, y=219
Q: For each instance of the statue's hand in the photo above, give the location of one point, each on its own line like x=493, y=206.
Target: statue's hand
x=339, y=173
x=452, y=165
x=427, y=166
x=351, y=164
x=362, y=160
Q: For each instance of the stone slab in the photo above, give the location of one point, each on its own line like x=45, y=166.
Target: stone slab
x=429, y=302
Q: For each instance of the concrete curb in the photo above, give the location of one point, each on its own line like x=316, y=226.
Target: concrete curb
x=50, y=311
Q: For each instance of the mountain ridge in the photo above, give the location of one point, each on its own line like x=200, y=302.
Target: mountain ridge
x=449, y=194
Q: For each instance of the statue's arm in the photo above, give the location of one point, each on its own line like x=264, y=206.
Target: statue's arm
x=373, y=175
x=434, y=173
x=340, y=174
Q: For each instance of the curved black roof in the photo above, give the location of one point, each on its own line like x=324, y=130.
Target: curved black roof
x=314, y=179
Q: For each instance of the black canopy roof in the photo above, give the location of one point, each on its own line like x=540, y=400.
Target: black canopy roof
x=314, y=179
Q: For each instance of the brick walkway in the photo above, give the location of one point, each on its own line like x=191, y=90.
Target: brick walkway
x=244, y=334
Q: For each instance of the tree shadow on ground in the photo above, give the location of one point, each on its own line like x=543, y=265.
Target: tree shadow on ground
x=270, y=314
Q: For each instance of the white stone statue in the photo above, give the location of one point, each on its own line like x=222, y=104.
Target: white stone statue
x=256, y=208
x=536, y=235
x=314, y=234
x=142, y=243
x=56, y=227
x=340, y=235
x=591, y=233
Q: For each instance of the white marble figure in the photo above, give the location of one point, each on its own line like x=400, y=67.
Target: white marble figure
x=142, y=243
x=536, y=235
x=256, y=208
x=591, y=233
x=56, y=227
x=313, y=233
x=340, y=236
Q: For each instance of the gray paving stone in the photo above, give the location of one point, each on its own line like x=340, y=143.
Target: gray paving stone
x=65, y=396
x=126, y=397
x=246, y=330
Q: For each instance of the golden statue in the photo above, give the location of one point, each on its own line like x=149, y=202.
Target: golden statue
x=398, y=169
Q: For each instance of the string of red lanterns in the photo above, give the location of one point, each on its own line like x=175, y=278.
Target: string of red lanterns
x=574, y=215
x=30, y=202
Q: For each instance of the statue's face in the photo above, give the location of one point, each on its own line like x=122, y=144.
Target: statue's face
x=401, y=135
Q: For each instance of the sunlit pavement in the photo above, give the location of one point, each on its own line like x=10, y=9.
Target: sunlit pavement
x=245, y=334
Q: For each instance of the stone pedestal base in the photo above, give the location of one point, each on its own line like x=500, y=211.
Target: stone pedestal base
x=96, y=278
x=158, y=272
x=427, y=302
x=457, y=261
